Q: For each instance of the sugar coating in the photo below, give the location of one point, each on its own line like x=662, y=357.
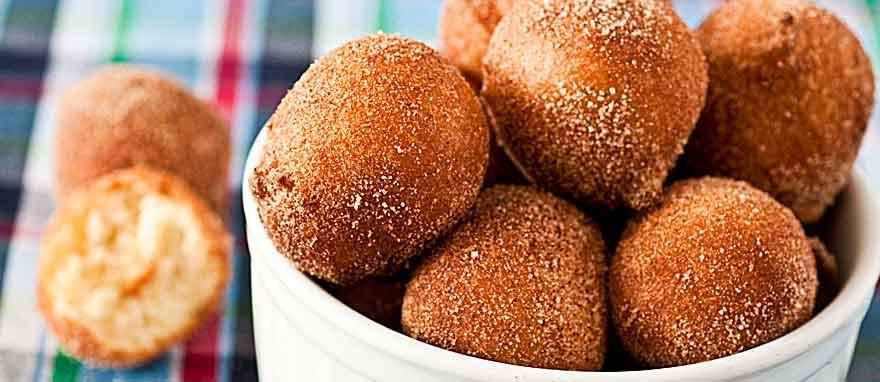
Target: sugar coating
x=790, y=96
x=124, y=115
x=465, y=27
x=522, y=281
x=595, y=99
x=717, y=268
x=377, y=150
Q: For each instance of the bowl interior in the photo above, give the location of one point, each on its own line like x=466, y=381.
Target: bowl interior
x=849, y=230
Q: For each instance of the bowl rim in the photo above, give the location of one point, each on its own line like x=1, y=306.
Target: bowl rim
x=833, y=318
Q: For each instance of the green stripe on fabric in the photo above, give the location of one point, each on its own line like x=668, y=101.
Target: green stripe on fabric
x=65, y=368
x=120, y=32
x=384, y=18
x=874, y=11
x=4, y=4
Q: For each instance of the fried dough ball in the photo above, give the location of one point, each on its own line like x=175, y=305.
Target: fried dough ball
x=522, y=282
x=130, y=266
x=717, y=268
x=789, y=100
x=595, y=99
x=465, y=29
x=124, y=115
x=379, y=148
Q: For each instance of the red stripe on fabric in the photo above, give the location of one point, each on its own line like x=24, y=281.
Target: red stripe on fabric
x=200, y=358
x=7, y=228
x=200, y=354
x=27, y=89
x=229, y=70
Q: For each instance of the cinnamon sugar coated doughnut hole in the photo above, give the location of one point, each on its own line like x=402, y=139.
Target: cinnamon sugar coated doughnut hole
x=717, y=268
x=377, y=150
x=595, y=99
x=123, y=115
x=465, y=27
x=129, y=266
x=790, y=96
x=522, y=281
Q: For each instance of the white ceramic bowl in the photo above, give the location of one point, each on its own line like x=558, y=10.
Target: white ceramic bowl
x=304, y=334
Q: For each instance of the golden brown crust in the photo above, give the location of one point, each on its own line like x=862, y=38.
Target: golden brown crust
x=465, y=27
x=78, y=340
x=122, y=116
x=595, y=99
x=790, y=96
x=378, y=149
x=522, y=281
x=717, y=268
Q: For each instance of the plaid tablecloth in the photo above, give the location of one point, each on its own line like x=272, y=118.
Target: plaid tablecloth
x=242, y=55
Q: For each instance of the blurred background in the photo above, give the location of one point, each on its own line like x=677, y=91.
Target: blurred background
x=242, y=55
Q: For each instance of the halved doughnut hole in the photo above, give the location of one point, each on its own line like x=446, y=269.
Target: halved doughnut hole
x=134, y=269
